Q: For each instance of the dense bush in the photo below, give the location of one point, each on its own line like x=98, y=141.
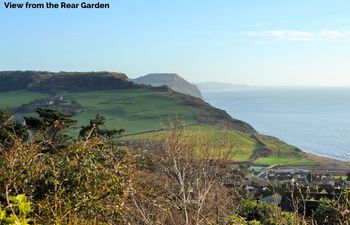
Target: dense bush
x=328, y=213
x=254, y=210
x=86, y=180
x=89, y=179
x=238, y=220
x=267, y=214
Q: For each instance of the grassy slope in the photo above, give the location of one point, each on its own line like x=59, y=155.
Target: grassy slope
x=241, y=147
x=238, y=146
x=134, y=110
x=144, y=110
x=282, y=153
x=17, y=98
x=287, y=161
x=235, y=145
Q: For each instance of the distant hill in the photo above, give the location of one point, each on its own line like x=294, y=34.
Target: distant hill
x=23, y=91
x=50, y=82
x=172, y=80
x=219, y=86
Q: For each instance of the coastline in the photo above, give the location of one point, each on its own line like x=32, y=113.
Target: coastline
x=327, y=163
x=313, y=119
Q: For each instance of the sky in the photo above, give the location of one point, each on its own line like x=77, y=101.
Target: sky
x=254, y=42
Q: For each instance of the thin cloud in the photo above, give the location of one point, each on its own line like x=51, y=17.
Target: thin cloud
x=334, y=34
x=296, y=35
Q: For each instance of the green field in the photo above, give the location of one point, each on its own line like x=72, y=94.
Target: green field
x=286, y=161
x=278, y=147
x=16, y=98
x=238, y=146
x=136, y=110
x=133, y=110
x=140, y=110
x=232, y=144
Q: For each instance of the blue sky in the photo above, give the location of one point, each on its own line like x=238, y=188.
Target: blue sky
x=260, y=42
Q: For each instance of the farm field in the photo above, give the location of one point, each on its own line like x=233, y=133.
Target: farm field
x=16, y=98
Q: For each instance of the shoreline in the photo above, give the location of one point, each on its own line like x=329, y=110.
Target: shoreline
x=327, y=163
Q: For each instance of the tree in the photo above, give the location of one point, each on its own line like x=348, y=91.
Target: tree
x=50, y=126
x=190, y=180
x=94, y=129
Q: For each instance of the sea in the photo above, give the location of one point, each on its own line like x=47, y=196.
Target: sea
x=316, y=120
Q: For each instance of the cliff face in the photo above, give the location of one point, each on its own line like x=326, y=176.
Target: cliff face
x=172, y=80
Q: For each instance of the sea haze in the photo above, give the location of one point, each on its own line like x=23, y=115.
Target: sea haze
x=314, y=119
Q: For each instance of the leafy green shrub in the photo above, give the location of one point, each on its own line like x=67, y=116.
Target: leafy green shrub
x=284, y=218
x=238, y=220
x=267, y=214
x=255, y=210
x=17, y=212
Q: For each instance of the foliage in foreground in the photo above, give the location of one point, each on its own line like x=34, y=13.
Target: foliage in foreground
x=16, y=212
x=255, y=212
x=96, y=180
x=57, y=179
x=332, y=212
x=89, y=179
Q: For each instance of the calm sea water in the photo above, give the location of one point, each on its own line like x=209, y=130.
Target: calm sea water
x=314, y=119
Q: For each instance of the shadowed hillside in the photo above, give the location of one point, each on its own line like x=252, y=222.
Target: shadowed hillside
x=63, y=81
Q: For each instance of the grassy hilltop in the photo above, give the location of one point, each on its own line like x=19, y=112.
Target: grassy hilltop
x=141, y=110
